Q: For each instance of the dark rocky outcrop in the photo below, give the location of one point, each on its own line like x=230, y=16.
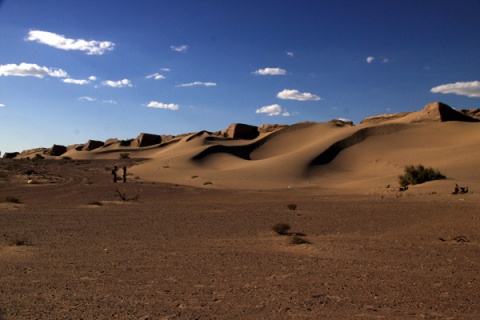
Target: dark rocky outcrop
x=146, y=139
x=126, y=143
x=57, y=150
x=442, y=112
x=92, y=145
x=10, y=155
x=241, y=131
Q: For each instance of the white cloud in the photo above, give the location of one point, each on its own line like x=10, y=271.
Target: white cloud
x=30, y=70
x=181, y=48
x=156, y=76
x=118, y=84
x=92, y=99
x=90, y=47
x=372, y=59
x=196, y=84
x=87, y=98
x=2, y=105
x=470, y=89
x=290, y=94
x=273, y=110
x=80, y=82
x=161, y=105
x=165, y=69
x=109, y=101
x=271, y=72
x=290, y=54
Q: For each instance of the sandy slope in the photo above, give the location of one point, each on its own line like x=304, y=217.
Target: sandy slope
x=362, y=158
x=323, y=155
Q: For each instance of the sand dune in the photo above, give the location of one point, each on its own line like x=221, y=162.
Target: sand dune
x=335, y=154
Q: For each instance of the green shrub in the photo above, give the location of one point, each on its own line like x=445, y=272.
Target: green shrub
x=281, y=228
x=418, y=174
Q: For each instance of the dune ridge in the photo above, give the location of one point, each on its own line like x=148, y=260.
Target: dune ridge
x=334, y=154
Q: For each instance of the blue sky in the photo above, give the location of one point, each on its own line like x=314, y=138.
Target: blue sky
x=218, y=62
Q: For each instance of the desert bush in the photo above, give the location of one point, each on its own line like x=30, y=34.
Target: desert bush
x=123, y=196
x=295, y=239
x=207, y=183
x=292, y=206
x=124, y=155
x=418, y=174
x=12, y=199
x=38, y=157
x=281, y=228
x=95, y=203
x=29, y=172
x=21, y=242
x=66, y=158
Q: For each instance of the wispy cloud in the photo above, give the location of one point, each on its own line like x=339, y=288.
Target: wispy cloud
x=180, y=48
x=90, y=47
x=80, y=82
x=291, y=94
x=469, y=89
x=2, y=105
x=118, y=84
x=30, y=70
x=372, y=59
x=273, y=110
x=196, y=84
x=270, y=72
x=109, y=101
x=156, y=76
x=87, y=99
x=161, y=105
x=93, y=99
x=165, y=69
x=290, y=54
x=344, y=119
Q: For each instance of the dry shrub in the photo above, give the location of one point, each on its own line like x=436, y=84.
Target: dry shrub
x=295, y=239
x=419, y=174
x=292, y=206
x=11, y=199
x=281, y=229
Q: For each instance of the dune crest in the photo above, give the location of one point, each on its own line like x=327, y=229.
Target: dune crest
x=335, y=154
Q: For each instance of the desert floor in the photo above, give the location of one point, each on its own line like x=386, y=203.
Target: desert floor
x=72, y=249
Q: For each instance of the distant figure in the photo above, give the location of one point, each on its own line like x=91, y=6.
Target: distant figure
x=463, y=189
x=456, y=189
x=114, y=174
x=124, y=174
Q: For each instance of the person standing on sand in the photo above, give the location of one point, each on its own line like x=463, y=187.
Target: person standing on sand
x=114, y=174
x=124, y=174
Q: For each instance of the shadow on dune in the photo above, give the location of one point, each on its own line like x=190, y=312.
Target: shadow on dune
x=334, y=150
